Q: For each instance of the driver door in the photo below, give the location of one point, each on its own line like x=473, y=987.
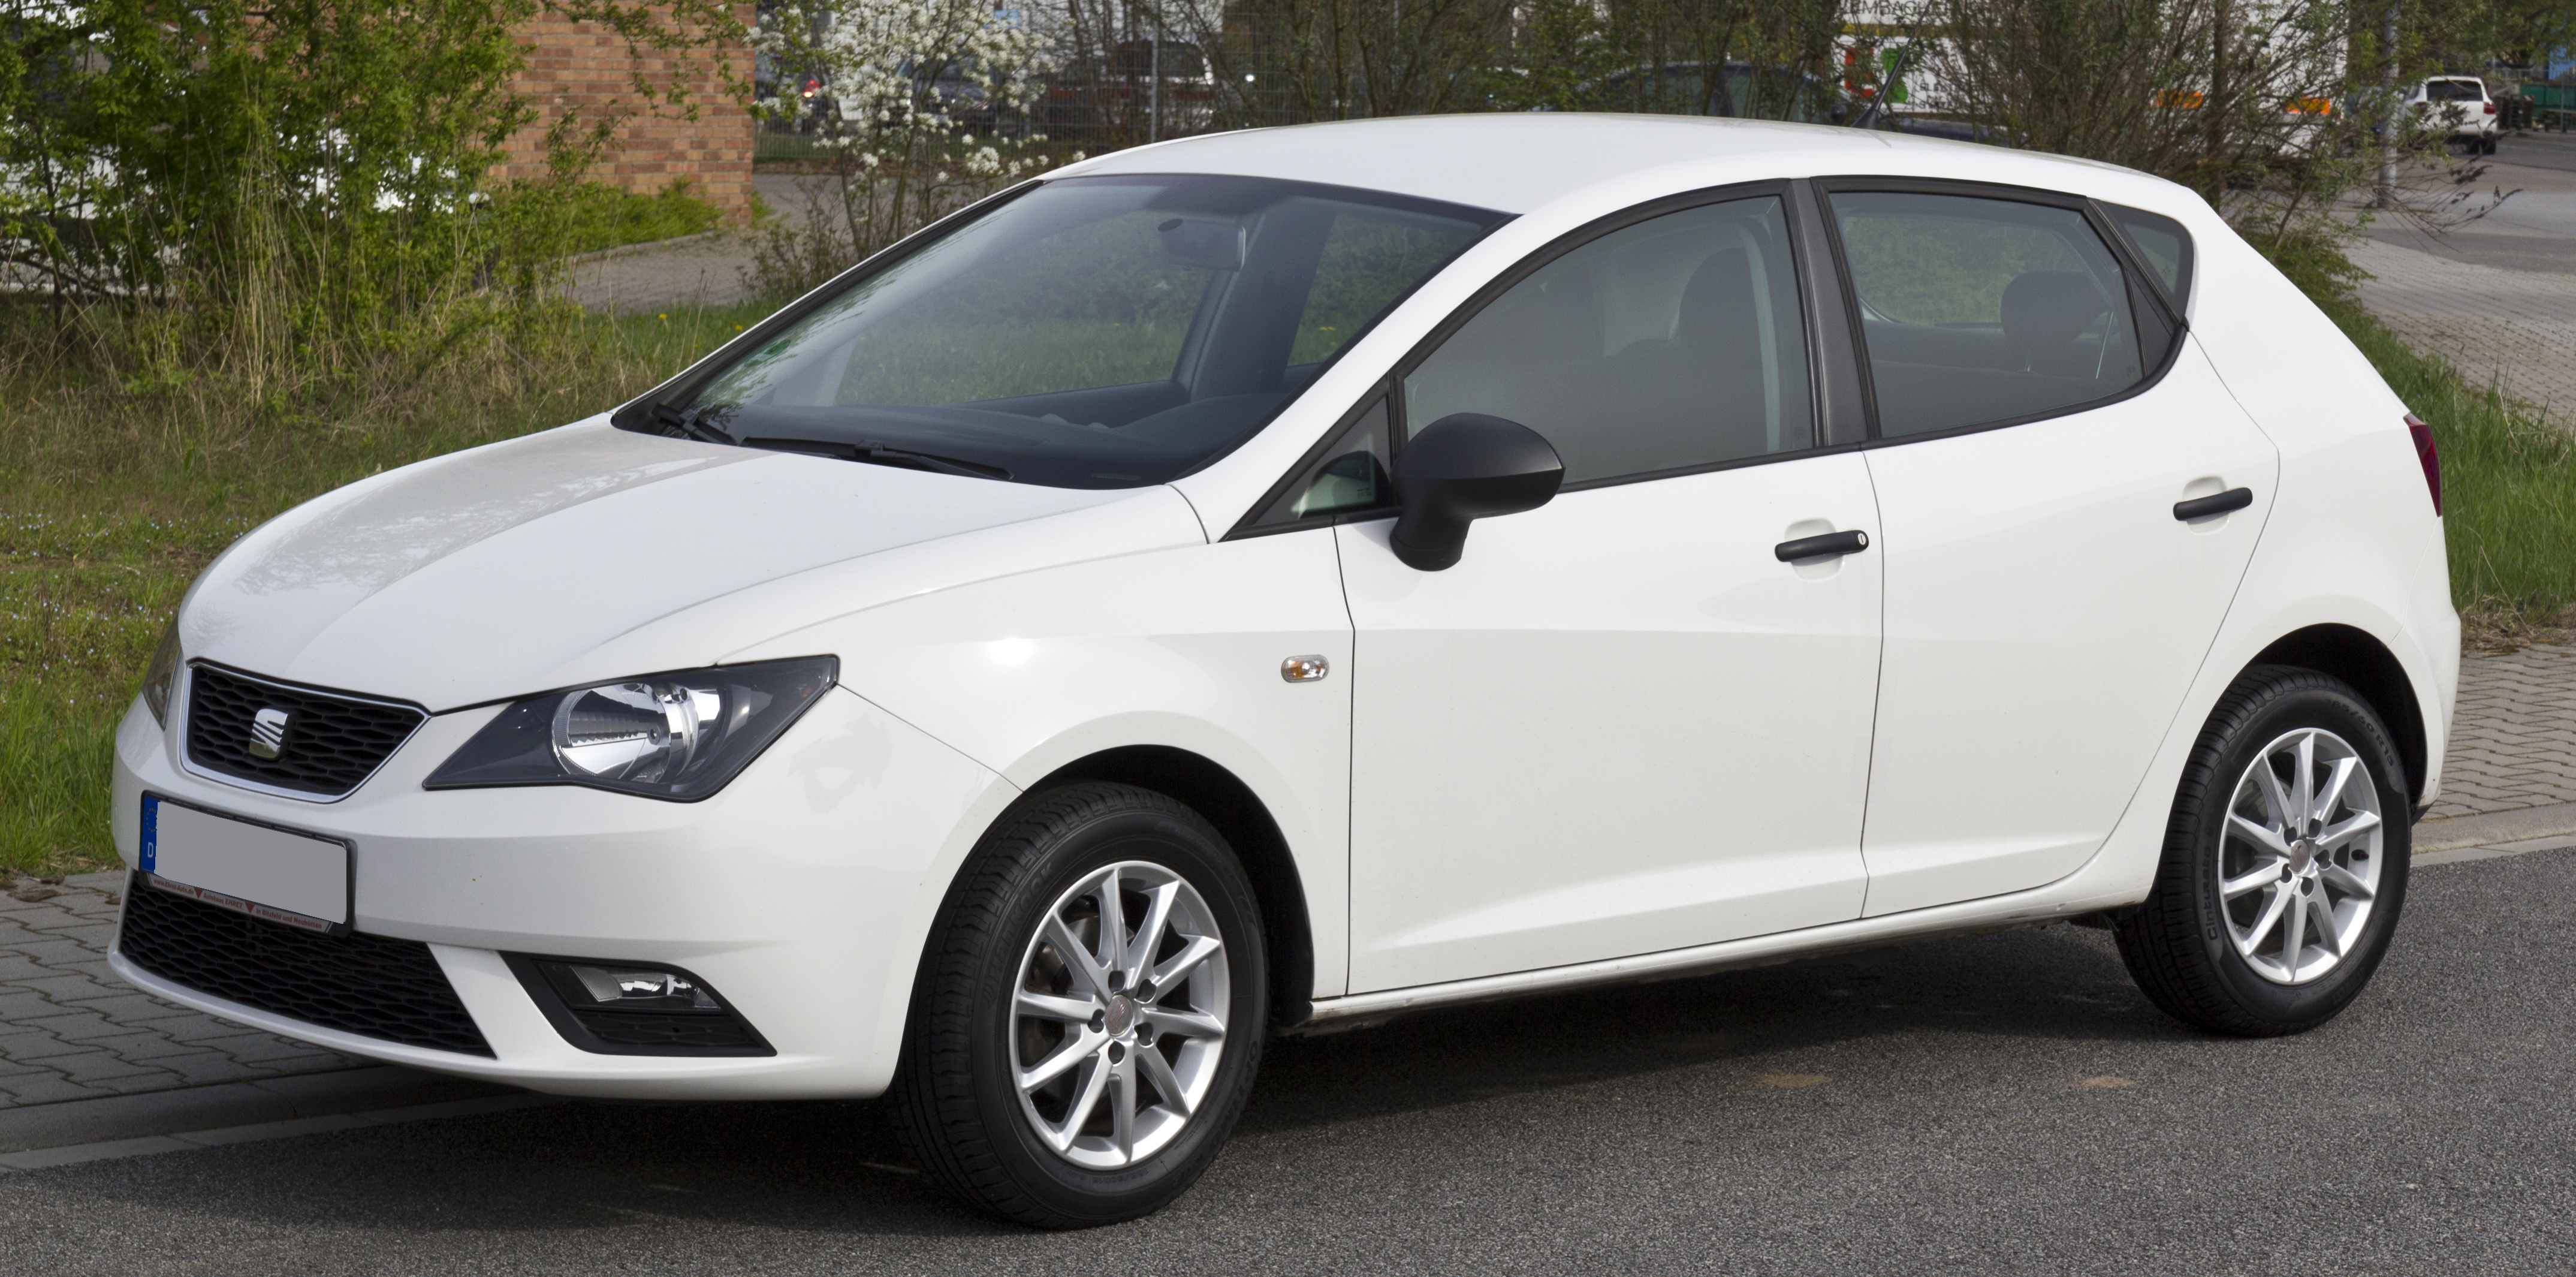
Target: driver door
x=1621, y=723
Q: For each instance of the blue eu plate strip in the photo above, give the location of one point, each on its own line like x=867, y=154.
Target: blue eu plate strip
x=151, y=831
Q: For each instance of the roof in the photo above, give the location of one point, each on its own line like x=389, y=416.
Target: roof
x=1516, y=162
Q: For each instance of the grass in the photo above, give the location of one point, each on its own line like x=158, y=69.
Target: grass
x=604, y=216
x=112, y=501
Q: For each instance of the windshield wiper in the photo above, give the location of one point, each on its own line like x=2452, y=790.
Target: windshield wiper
x=875, y=453
x=683, y=423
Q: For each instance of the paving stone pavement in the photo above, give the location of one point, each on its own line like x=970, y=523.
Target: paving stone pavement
x=2513, y=737
x=70, y=1030
x=2514, y=327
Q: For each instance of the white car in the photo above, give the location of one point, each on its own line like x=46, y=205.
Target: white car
x=2460, y=104
x=1275, y=581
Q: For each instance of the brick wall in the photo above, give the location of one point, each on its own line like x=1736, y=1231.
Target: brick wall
x=581, y=66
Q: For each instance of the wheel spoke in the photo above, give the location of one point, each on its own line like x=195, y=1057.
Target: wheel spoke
x=1072, y=1052
x=1086, y=1097
x=1159, y=1072
x=2360, y=822
x=2252, y=939
x=1149, y=933
x=2294, y=929
x=2270, y=840
x=2254, y=880
x=1077, y=955
x=2343, y=769
x=2307, y=788
x=1122, y=1108
x=1047, y=1006
x=1189, y=1024
x=2347, y=882
x=2321, y=919
x=1113, y=921
x=1199, y=949
x=2275, y=798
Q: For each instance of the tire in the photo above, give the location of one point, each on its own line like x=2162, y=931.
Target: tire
x=1181, y=1055
x=2208, y=958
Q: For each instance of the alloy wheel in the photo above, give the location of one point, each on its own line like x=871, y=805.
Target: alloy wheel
x=1119, y=1015
x=2299, y=862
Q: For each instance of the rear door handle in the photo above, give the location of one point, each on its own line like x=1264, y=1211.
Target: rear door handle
x=1835, y=544
x=2227, y=502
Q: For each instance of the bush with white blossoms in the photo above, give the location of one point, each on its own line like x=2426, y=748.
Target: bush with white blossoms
x=922, y=108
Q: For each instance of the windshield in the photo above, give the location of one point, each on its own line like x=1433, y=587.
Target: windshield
x=1102, y=332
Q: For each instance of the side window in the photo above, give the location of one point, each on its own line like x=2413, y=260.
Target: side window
x=1350, y=475
x=2165, y=245
x=1675, y=342
x=1983, y=310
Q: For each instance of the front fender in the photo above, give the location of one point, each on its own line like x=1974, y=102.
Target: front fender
x=1179, y=648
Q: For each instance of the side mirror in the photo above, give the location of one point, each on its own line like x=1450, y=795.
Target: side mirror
x=1464, y=467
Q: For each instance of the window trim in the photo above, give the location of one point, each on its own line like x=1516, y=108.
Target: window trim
x=1381, y=389
x=1800, y=255
x=2138, y=281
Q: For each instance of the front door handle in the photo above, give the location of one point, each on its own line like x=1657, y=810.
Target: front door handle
x=1831, y=544
x=2227, y=502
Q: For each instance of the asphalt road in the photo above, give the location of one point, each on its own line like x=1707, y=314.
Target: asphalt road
x=2001, y=1103
x=2533, y=229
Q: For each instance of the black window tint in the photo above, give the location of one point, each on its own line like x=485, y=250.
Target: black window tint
x=1350, y=475
x=1672, y=343
x=2165, y=245
x=1983, y=310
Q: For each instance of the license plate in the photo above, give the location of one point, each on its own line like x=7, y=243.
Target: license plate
x=247, y=866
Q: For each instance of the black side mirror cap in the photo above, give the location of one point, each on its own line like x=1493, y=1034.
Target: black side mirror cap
x=1464, y=467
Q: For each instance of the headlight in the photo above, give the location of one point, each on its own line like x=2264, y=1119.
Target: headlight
x=162, y=674
x=677, y=736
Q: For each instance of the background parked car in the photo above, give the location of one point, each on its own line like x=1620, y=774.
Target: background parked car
x=2463, y=104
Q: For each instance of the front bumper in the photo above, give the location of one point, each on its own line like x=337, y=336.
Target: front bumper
x=801, y=893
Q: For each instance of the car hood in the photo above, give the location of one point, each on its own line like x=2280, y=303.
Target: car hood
x=591, y=553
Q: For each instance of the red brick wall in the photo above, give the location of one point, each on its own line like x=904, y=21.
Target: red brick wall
x=576, y=65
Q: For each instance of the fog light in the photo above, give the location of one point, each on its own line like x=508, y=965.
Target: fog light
x=615, y=1008
x=639, y=989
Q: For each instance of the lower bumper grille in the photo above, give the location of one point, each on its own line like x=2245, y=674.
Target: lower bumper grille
x=357, y=983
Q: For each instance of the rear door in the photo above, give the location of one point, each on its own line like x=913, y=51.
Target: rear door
x=2040, y=423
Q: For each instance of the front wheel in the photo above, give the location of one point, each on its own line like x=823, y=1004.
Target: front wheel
x=1089, y=1017
x=2285, y=861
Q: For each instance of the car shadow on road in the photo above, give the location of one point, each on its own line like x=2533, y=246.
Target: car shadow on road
x=837, y=1167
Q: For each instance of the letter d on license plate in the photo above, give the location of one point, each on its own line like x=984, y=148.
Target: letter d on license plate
x=299, y=879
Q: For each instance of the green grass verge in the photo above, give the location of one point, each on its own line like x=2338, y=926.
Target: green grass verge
x=110, y=503
x=603, y=216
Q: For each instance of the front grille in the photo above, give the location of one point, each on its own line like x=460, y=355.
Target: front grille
x=676, y=1033
x=332, y=742
x=362, y=984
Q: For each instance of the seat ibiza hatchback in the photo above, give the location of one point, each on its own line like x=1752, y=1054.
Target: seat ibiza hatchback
x=1279, y=580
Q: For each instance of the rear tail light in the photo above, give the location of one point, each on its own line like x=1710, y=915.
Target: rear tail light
x=2490, y=108
x=2425, y=453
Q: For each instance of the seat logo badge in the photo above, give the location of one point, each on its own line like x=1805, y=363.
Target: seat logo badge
x=268, y=732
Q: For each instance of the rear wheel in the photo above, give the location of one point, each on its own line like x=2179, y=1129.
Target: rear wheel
x=1089, y=1018
x=2285, y=861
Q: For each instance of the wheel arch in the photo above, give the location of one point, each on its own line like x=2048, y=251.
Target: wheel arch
x=2358, y=657
x=1212, y=791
